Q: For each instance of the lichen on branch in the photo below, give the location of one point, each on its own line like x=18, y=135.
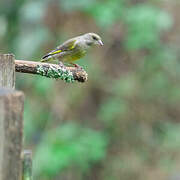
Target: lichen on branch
x=51, y=72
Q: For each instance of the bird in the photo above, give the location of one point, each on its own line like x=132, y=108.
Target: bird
x=73, y=49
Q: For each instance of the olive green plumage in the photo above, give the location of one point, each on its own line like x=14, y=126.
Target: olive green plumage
x=73, y=49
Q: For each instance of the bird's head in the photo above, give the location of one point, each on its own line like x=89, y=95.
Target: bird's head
x=92, y=39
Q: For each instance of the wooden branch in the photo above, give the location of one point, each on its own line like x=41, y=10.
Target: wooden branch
x=27, y=165
x=68, y=74
x=11, y=133
x=7, y=72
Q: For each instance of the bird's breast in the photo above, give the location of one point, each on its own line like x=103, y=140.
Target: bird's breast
x=74, y=55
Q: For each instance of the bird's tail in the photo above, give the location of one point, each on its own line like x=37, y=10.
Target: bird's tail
x=45, y=58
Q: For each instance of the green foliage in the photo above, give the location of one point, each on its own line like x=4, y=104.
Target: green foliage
x=108, y=12
x=71, y=5
x=117, y=106
x=111, y=109
x=42, y=86
x=32, y=12
x=25, y=40
x=67, y=146
x=145, y=23
x=34, y=123
x=104, y=13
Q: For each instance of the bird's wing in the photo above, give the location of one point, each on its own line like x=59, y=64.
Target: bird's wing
x=66, y=46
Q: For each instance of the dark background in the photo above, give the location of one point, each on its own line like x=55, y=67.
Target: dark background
x=124, y=123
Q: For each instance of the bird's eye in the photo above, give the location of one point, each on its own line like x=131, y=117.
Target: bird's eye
x=95, y=38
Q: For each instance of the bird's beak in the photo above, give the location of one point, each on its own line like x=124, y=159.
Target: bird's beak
x=100, y=42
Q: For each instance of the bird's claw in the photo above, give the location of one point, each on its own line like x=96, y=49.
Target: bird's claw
x=61, y=64
x=77, y=66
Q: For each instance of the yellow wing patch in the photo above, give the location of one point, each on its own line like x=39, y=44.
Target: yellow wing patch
x=66, y=47
x=55, y=52
x=72, y=47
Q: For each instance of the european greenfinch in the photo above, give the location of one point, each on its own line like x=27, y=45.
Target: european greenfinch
x=73, y=49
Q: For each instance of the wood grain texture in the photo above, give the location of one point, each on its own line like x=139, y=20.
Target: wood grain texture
x=11, y=133
x=7, y=71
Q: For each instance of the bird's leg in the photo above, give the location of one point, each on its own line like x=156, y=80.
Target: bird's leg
x=61, y=64
x=76, y=65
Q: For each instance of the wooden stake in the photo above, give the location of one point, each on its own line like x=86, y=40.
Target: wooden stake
x=11, y=130
x=27, y=165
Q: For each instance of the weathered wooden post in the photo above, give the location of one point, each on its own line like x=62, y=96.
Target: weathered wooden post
x=11, y=123
x=11, y=110
x=7, y=71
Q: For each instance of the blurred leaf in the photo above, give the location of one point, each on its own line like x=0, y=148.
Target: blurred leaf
x=43, y=86
x=108, y=12
x=28, y=42
x=71, y=5
x=32, y=12
x=144, y=25
x=112, y=109
x=67, y=145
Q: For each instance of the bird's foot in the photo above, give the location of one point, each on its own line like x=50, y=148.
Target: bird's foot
x=77, y=66
x=61, y=64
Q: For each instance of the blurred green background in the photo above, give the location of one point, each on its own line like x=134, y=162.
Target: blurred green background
x=124, y=123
